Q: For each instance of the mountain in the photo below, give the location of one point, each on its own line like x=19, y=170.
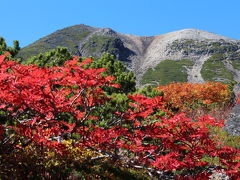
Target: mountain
x=187, y=55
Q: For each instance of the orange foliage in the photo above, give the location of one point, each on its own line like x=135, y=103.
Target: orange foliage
x=187, y=96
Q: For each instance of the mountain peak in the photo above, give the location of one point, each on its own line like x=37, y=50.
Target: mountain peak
x=79, y=27
x=195, y=34
x=106, y=32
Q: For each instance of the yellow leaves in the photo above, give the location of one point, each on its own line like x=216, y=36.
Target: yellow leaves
x=40, y=157
x=75, y=152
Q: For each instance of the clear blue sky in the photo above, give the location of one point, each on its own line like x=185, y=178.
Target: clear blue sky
x=29, y=20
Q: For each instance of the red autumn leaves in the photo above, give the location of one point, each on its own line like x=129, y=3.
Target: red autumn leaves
x=36, y=99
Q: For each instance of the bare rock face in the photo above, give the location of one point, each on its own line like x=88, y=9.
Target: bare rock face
x=192, y=44
x=232, y=125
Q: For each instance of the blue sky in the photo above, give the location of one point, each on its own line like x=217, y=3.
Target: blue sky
x=29, y=20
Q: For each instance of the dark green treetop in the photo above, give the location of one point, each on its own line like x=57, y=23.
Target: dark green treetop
x=55, y=57
x=126, y=79
x=4, y=48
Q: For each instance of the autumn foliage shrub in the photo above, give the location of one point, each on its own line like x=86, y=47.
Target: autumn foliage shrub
x=49, y=109
x=188, y=96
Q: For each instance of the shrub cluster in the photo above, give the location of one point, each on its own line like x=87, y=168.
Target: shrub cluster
x=187, y=96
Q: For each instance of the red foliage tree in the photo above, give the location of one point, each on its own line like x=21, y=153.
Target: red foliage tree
x=38, y=99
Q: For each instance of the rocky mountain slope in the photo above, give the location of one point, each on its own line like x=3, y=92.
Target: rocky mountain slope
x=187, y=55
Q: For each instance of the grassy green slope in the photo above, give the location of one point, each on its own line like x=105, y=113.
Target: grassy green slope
x=167, y=71
x=214, y=69
x=236, y=64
